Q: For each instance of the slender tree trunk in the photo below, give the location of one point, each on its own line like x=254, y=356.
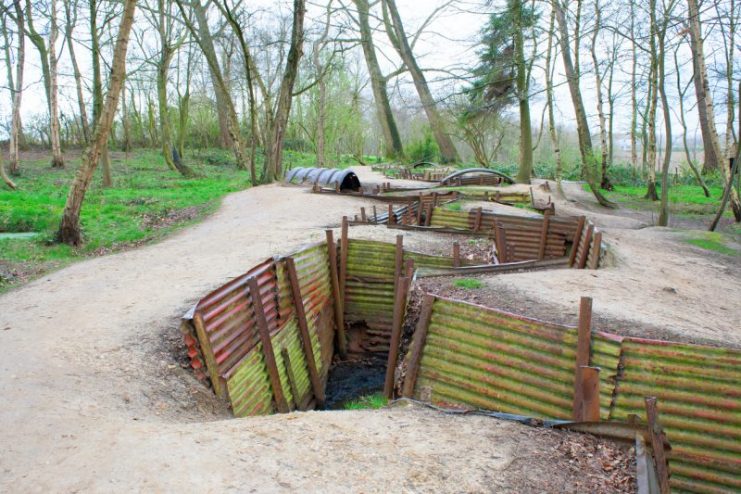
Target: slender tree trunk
x=69, y=228
x=4, y=175
x=526, y=134
x=126, y=120
x=664, y=208
x=549, y=67
x=605, y=182
x=16, y=88
x=391, y=136
x=98, y=89
x=398, y=37
x=705, y=106
x=633, y=90
x=57, y=160
x=585, y=140
x=654, y=99
x=274, y=145
x=70, y=21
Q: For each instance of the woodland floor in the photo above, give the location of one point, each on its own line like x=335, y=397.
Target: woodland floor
x=95, y=396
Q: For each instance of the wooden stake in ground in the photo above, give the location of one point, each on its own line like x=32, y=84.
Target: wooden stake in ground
x=69, y=228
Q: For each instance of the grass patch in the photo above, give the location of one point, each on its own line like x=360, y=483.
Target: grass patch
x=715, y=242
x=368, y=402
x=454, y=206
x=468, y=283
x=147, y=201
x=683, y=199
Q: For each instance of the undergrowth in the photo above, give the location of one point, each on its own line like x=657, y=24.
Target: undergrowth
x=368, y=402
x=468, y=283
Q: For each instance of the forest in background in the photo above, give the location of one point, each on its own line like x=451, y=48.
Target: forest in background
x=631, y=93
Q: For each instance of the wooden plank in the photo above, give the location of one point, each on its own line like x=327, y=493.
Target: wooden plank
x=597, y=242
x=456, y=255
x=208, y=354
x=582, y=261
x=577, y=238
x=500, y=240
x=303, y=328
x=477, y=221
x=267, y=346
x=657, y=443
x=543, y=237
x=418, y=344
x=590, y=393
x=363, y=218
x=391, y=215
x=396, y=327
x=583, y=347
x=291, y=377
x=339, y=309
x=344, y=241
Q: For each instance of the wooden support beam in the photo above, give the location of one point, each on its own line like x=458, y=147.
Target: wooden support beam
x=208, y=354
x=291, y=379
x=656, y=434
x=577, y=239
x=582, y=261
x=477, y=221
x=544, y=237
x=375, y=215
x=583, y=347
x=398, y=261
x=456, y=255
x=267, y=346
x=597, y=242
x=303, y=330
x=363, y=218
x=418, y=344
x=339, y=308
x=590, y=393
x=396, y=327
x=500, y=240
x=419, y=209
x=391, y=220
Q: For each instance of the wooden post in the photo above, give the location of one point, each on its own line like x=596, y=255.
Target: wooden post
x=363, y=218
x=418, y=344
x=303, y=329
x=375, y=215
x=267, y=346
x=419, y=210
x=598, y=248
x=391, y=215
x=590, y=393
x=583, y=347
x=582, y=261
x=577, y=238
x=208, y=354
x=291, y=377
x=657, y=443
x=428, y=216
x=456, y=255
x=337, y=294
x=396, y=327
x=398, y=261
x=500, y=239
x=477, y=221
x=544, y=237
x=434, y=199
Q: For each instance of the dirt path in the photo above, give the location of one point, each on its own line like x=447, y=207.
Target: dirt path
x=93, y=398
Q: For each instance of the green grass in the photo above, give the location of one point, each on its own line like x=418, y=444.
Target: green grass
x=468, y=283
x=683, y=199
x=715, y=242
x=454, y=206
x=146, y=202
x=372, y=402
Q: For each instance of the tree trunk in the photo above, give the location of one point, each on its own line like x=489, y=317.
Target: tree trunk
x=98, y=89
x=391, y=137
x=605, y=181
x=654, y=99
x=664, y=208
x=549, y=67
x=70, y=21
x=16, y=88
x=398, y=37
x=582, y=125
x=523, y=85
x=702, y=91
x=633, y=91
x=274, y=145
x=4, y=176
x=57, y=160
x=69, y=228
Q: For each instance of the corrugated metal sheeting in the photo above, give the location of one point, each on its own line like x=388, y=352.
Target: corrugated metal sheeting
x=489, y=359
x=227, y=327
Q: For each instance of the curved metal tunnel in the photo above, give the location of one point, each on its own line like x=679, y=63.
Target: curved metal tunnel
x=345, y=180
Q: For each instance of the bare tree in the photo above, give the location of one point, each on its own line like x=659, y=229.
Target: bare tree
x=15, y=84
x=70, y=20
x=69, y=228
x=398, y=37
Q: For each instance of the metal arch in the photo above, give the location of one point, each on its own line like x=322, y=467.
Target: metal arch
x=467, y=171
x=294, y=174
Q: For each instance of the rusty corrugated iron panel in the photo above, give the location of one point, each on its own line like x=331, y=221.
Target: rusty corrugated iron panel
x=248, y=386
x=498, y=361
x=606, y=351
x=369, y=292
x=699, y=400
x=289, y=339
